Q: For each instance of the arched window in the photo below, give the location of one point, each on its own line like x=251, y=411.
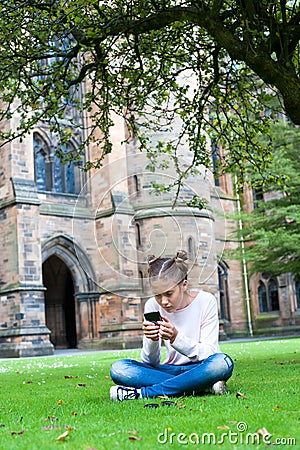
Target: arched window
x=136, y=183
x=64, y=174
x=141, y=279
x=51, y=174
x=297, y=286
x=223, y=291
x=58, y=174
x=70, y=178
x=258, y=196
x=268, y=296
x=262, y=297
x=41, y=166
x=40, y=170
x=191, y=248
x=273, y=295
x=138, y=234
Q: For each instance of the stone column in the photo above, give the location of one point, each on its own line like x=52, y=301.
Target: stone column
x=22, y=310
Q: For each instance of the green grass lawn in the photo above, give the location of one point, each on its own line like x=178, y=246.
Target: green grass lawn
x=41, y=397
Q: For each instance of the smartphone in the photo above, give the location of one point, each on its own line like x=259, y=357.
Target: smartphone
x=153, y=316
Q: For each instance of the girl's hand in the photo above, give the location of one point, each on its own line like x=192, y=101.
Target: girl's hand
x=151, y=330
x=167, y=331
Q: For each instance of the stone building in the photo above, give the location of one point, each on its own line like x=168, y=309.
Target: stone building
x=74, y=245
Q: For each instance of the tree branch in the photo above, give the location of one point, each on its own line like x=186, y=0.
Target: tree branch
x=258, y=59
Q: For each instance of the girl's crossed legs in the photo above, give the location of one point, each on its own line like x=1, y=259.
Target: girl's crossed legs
x=168, y=379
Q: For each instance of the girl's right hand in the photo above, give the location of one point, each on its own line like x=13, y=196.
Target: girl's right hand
x=151, y=330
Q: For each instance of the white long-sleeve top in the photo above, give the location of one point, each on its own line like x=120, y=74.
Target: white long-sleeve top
x=198, y=332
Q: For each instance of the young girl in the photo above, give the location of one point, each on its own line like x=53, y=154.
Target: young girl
x=190, y=331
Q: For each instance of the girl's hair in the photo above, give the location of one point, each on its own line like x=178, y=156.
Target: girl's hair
x=175, y=268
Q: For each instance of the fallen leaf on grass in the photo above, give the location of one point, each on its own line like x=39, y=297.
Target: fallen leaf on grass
x=64, y=435
x=79, y=385
x=20, y=433
x=239, y=394
x=134, y=438
x=276, y=408
x=68, y=376
x=60, y=402
x=74, y=413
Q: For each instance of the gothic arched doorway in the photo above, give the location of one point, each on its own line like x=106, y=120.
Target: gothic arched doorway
x=59, y=303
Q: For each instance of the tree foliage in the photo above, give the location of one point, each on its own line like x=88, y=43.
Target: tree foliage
x=272, y=230
x=199, y=68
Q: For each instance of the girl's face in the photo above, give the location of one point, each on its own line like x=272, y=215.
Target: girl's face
x=171, y=298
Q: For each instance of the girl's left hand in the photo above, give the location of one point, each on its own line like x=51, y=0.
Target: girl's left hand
x=167, y=331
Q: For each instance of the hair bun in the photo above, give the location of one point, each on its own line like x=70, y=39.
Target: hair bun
x=181, y=256
x=151, y=259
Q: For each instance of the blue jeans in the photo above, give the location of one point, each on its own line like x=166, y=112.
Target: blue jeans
x=171, y=380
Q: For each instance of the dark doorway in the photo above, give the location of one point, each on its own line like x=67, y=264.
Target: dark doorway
x=59, y=303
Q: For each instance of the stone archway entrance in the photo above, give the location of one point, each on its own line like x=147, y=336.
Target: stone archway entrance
x=59, y=303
